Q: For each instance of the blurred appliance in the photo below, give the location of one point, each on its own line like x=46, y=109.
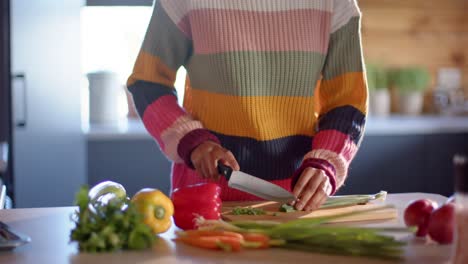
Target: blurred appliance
x=40, y=111
x=6, y=171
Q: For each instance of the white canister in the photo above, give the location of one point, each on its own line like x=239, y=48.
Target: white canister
x=411, y=103
x=379, y=103
x=104, y=92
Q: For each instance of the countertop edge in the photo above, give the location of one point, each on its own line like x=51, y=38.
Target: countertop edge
x=133, y=129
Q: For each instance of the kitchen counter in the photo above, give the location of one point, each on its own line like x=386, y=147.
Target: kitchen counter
x=393, y=125
x=49, y=229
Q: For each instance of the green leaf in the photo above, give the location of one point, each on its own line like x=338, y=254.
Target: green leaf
x=248, y=211
x=140, y=238
x=377, y=77
x=81, y=198
x=411, y=79
x=110, y=225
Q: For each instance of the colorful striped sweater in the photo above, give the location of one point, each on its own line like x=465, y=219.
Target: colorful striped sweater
x=279, y=83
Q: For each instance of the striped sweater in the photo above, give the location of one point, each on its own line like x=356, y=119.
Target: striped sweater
x=279, y=83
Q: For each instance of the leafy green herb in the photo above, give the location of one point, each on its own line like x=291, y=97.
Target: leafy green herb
x=410, y=79
x=287, y=208
x=377, y=77
x=108, y=226
x=248, y=211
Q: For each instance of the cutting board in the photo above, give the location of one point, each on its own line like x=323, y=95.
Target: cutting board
x=273, y=214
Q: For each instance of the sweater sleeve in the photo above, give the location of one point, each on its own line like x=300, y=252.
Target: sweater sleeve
x=341, y=97
x=167, y=46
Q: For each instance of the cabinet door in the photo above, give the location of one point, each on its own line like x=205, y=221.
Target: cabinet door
x=49, y=147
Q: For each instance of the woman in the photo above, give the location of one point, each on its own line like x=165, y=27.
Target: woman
x=276, y=89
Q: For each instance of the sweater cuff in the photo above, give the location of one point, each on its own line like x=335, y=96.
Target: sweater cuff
x=192, y=140
x=320, y=164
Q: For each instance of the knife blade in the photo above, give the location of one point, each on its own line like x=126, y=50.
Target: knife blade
x=254, y=185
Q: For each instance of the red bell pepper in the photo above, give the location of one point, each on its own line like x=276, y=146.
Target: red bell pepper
x=196, y=200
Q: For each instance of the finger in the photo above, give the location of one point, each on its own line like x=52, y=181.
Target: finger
x=311, y=188
x=328, y=187
x=229, y=159
x=210, y=164
x=204, y=167
x=306, y=195
x=217, y=157
x=323, y=200
x=200, y=172
x=302, y=182
x=317, y=199
x=302, y=201
x=197, y=165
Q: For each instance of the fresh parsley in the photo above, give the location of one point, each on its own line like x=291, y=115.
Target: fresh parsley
x=108, y=226
x=248, y=211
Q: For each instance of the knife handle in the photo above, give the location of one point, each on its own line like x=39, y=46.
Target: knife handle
x=224, y=170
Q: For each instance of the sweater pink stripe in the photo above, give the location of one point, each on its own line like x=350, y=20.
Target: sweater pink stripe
x=228, y=30
x=166, y=111
x=335, y=141
x=173, y=134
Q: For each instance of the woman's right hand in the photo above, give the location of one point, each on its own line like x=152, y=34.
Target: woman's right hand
x=206, y=156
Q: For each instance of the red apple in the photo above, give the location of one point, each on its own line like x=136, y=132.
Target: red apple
x=442, y=224
x=417, y=214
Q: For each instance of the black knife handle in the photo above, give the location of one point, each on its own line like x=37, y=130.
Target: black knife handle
x=224, y=170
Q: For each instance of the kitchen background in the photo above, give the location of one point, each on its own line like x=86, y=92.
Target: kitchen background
x=72, y=123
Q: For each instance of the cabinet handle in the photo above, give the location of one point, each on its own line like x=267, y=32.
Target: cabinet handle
x=21, y=121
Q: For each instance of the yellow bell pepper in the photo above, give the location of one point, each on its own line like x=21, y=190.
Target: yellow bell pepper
x=156, y=208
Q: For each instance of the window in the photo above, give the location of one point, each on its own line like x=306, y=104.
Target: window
x=111, y=38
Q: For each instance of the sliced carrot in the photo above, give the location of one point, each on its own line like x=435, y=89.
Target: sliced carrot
x=213, y=242
x=200, y=233
x=198, y=242
x=256, y=240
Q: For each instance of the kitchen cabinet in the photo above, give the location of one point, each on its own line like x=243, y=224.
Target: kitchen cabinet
x=49, y=147
x=135, y=163
x=405, y=163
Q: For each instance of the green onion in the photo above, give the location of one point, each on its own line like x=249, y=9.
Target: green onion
x=312, y=235
x=349, y=200
x=248, y=211
x=287, y=208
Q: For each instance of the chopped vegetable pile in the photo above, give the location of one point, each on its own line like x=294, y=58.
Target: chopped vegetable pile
x=248, y=211
x=108, y=225
x=287, y=208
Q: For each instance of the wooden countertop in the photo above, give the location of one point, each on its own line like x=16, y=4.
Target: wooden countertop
x=49, y=230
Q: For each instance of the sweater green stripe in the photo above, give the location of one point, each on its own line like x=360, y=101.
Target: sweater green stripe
x=255, y=73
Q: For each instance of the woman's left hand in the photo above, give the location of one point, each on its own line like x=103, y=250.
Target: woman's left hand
x=312, y=189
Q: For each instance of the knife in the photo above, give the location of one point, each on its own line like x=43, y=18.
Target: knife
x=254, y=185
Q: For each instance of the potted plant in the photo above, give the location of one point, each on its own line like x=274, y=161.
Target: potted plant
x=410, y=83
x=379, y=96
